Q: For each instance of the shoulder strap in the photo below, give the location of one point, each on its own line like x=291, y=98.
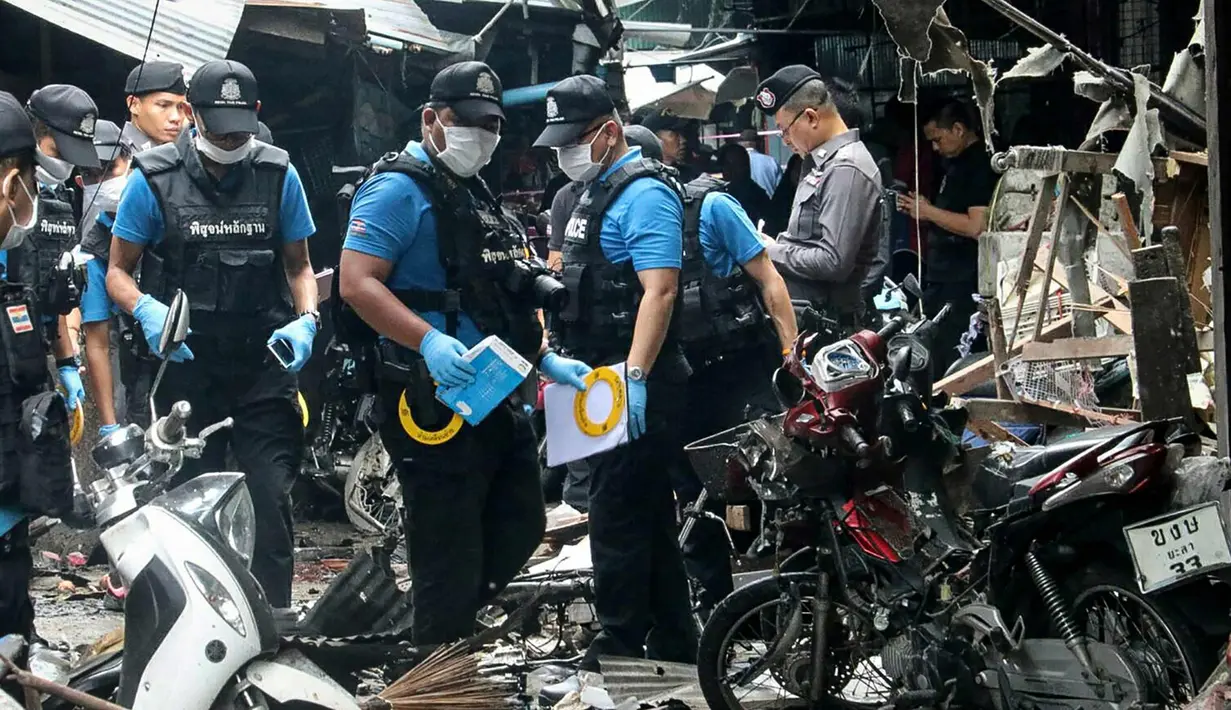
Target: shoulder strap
x=159, y=159
x=694, y=199
x=606, y=190
x=440, y=191
x=268, y=156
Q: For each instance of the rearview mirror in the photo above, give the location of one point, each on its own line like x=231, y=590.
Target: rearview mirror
x=175, y=327
x=911, y=285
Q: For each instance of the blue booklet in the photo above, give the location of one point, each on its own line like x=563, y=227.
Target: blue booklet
x=498, y=371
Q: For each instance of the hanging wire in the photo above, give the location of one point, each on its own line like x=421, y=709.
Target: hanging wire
x=914, y=80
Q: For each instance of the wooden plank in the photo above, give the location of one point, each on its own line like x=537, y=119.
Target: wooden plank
x=991, y=431
x=1150, y=263
x=1170, y=238
x=1106, y=417
x=1202, y=159
x=1078, y=348
x=1038, y=223
x=1162, y=384
x=1073, y=233
x=1006, y=410
x=1127, y=224
x=1118, y=315
x=982, y=370
x=991, y=309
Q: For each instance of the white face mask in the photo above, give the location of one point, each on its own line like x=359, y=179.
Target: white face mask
x=51, y=171
x=467, y=149
x=575, y=160
x=102, y=197
x=216, y=154
x=18, y=232
x=223, y=157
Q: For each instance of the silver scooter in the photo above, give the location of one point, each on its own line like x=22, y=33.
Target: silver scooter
x=199, y=633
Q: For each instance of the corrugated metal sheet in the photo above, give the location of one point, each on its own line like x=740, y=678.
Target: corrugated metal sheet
x=401, y=20
x=847, y=56
x=190, y=32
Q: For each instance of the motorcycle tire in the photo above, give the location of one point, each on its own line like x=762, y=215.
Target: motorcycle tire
x=1082, y=586
x=731, y=612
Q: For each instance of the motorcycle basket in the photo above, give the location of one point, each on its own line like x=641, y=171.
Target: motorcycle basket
x=711, y=458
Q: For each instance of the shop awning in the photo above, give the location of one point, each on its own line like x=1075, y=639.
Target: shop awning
x=190, y=33
x=691, y=95
x=401, y=24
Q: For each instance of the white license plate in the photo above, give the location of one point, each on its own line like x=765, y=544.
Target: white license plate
x=1176, y=546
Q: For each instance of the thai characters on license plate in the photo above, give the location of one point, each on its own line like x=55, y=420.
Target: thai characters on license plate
x=1177, y=546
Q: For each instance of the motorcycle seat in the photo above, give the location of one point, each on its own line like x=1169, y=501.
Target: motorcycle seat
x=1002, y=475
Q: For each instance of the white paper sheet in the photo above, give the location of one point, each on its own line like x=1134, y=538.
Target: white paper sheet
x=565, y=440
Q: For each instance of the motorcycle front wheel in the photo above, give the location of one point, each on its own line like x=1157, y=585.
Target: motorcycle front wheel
x=736, y=673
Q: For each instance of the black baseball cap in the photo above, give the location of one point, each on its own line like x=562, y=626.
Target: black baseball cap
x=153, y=77
x=662, y=122
x=70, y=113
x=471, y=89
x=223, y=95
x=571, y=106
x=107, y=143
x=782, y=84
x=644, y=138
x=16, y=133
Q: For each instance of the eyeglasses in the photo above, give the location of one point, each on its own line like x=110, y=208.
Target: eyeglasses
x=798, y=116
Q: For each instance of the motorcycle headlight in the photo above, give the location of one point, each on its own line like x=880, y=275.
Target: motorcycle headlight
x=220, y=504
x=236, y=521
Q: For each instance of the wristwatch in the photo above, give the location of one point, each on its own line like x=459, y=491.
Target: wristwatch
x=636, y=374
x=316, y=316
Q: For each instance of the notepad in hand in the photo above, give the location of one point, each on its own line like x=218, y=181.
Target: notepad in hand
x=498, y=371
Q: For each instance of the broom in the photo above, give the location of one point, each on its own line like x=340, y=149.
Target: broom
x=448, y=679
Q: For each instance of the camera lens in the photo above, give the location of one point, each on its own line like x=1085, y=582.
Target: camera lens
x=550, y=294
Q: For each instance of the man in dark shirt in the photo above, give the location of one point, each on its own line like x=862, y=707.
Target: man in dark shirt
x=737, y=171
x=955, y=222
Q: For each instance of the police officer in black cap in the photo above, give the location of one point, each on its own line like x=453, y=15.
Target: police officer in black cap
x=35, y=472
x=622, y=254
x=433, y=264
x=63, y=117
x=225, y=218
x=156, y=111
x=833, y=235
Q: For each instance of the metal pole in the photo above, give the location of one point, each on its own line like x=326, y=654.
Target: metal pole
x=1119, y=78
x=1216, y=31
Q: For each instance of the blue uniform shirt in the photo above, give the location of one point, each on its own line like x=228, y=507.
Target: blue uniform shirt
x=728, y=239
x=139, y=217
x=644, y=223
x=96, y=304
x=391, y=218
x=765, y=171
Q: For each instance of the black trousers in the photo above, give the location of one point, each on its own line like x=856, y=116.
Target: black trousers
x=959, y=295
x=236, y=380
x=16, y=566
x=641, y=590
x=721, y=395
x=473, y=514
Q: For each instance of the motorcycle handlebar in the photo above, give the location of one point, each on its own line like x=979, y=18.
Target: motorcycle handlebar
x=855, y=440
x=892, y=328
x=171, y=427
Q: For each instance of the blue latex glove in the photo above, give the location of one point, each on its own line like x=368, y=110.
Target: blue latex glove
x=299, y=333
x=70, y=377
x=443, y=355
x=564, y=370
x=107, y=430
x=151, y=314
x=636, y=407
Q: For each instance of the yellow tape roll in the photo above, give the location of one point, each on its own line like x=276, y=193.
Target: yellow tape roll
x=78, y=427
x=303, y=408
x=584, y=423
x=421, y=435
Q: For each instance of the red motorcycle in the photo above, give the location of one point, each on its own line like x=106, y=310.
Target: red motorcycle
x=1079, y=545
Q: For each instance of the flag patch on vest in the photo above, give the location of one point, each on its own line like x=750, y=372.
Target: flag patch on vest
x=19, y=319
x=227, y=228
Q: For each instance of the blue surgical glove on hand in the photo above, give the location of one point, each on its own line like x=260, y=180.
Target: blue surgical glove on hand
x=151, y=314
x=636, y=407
x=107, y=430
x=564, y=370
x=443, y=355
x=299, y=334
x=70, y=377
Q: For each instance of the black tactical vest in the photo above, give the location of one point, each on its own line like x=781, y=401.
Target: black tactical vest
x=33, y=262
x=97, y=240
x=604, y=297
x=222, y=242
x=718, y=314
x=479, y=246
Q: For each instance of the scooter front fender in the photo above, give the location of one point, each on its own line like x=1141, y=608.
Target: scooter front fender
x=291, y=677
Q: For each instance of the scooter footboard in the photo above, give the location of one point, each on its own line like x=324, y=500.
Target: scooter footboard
x=291, y=677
